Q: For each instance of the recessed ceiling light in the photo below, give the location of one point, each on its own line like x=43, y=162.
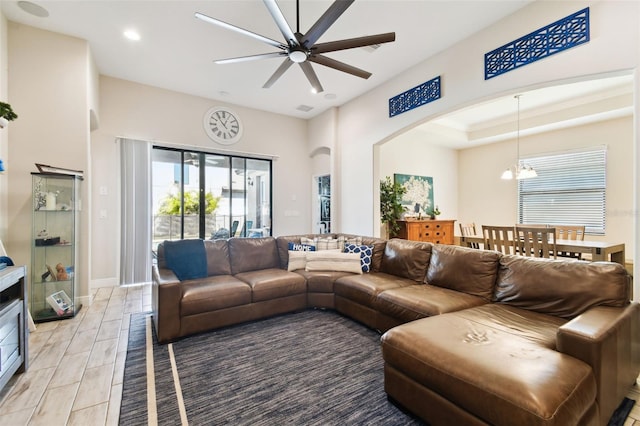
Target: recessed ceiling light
x=33, y=9
x=132, y=35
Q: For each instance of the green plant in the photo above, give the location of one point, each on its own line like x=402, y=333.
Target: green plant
x=390, y=206
x=171, y=204
x=435, y=212
x=6, y=112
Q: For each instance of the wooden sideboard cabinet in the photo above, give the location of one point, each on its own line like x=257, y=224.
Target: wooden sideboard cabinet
x=431, y=231
x=14, y=335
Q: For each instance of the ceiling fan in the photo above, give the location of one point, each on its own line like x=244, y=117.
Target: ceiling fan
x=302, y=48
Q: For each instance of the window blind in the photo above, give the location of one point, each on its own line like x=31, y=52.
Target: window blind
x=570, y=190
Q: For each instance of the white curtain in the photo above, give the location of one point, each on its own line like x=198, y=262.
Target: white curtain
x=135, y=253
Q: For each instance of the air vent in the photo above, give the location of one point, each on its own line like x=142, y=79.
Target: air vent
x=304, y=108
x=372, y=48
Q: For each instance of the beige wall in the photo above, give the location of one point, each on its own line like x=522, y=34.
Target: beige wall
x=364, y=122
x=413, y=154
x=48, y=87
x=47, y=69
x=467, y=184
x=169, y=118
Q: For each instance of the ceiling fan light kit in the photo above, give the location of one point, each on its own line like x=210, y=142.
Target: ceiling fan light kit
x=302, y=48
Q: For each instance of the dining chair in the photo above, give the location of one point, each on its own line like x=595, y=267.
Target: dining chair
x=535, y=241
x=469, y=230
x=499, y=238
x=570, y=232
x=234, y=228
x=246, y=226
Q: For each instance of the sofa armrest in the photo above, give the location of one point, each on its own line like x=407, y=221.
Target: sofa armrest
x=166, y=297
x=607, y=339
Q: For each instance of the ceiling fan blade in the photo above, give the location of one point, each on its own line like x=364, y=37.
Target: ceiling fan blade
x=253, y=35
x=350, y=43
x=325, y=21
x=282, y=23
x=340, y=66
x=276, y=75
x=311, y=76
x=251, y=58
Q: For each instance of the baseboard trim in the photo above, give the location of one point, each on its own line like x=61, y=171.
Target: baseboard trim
x=104, y=282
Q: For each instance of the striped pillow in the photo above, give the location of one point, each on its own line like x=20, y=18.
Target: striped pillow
x=297, y=260
x=333, y=261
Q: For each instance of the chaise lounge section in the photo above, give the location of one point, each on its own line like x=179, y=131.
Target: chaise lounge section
x=470, y=336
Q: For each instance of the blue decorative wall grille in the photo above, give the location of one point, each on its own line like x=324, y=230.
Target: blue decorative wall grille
x=564, y=34
x=423, y=94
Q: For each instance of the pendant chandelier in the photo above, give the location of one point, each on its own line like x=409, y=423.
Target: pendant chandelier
x=519, y=170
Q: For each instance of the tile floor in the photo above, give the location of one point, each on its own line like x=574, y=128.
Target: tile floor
x=76, y=366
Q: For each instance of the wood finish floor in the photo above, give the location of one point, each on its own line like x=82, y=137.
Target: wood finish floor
x=76, y=366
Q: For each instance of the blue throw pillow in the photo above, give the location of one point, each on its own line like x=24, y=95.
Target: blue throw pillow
x=366, y=253
x=301, y=247
x=6, y=260
x=186, y=258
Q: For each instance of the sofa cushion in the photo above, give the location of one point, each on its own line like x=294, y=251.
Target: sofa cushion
x=378, y=249
x=406, y=259
x=330, y=260
x=423, y=300
x=366, y=255
x=464, y=269
x=364, y=289
x=253, y=254
x=269, y=284
x=564, y=288
x=217, y=257
x=321, y=281
x=186, y=258
x=500, y=376
x=213, y=293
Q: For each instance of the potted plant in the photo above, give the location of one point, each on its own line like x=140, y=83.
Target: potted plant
x=390, y=206
x=434, y=213
x=6, y=114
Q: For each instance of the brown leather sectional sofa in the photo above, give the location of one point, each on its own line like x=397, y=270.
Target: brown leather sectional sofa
x=470, y=336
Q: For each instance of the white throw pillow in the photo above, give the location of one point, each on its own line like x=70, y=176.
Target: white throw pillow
x=329, y=260
x=297, y=260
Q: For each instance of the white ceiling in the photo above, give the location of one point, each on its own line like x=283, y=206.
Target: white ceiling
x=176, y=52
x=549, y=108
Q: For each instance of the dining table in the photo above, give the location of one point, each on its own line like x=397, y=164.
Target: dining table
x=599, y=250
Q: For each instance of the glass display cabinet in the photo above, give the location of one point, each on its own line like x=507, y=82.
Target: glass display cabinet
x=56, y=213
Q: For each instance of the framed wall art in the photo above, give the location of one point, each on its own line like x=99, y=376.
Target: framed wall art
x=418, y=200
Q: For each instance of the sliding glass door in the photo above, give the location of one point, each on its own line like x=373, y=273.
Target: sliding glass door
x=203, y=195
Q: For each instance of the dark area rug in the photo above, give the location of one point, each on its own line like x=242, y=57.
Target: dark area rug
x=622, y=412
x=308, y=368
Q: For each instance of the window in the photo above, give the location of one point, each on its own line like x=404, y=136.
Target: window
x=570, y=190
x=203, y=195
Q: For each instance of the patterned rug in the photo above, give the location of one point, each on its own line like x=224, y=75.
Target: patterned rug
x=308, y=368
